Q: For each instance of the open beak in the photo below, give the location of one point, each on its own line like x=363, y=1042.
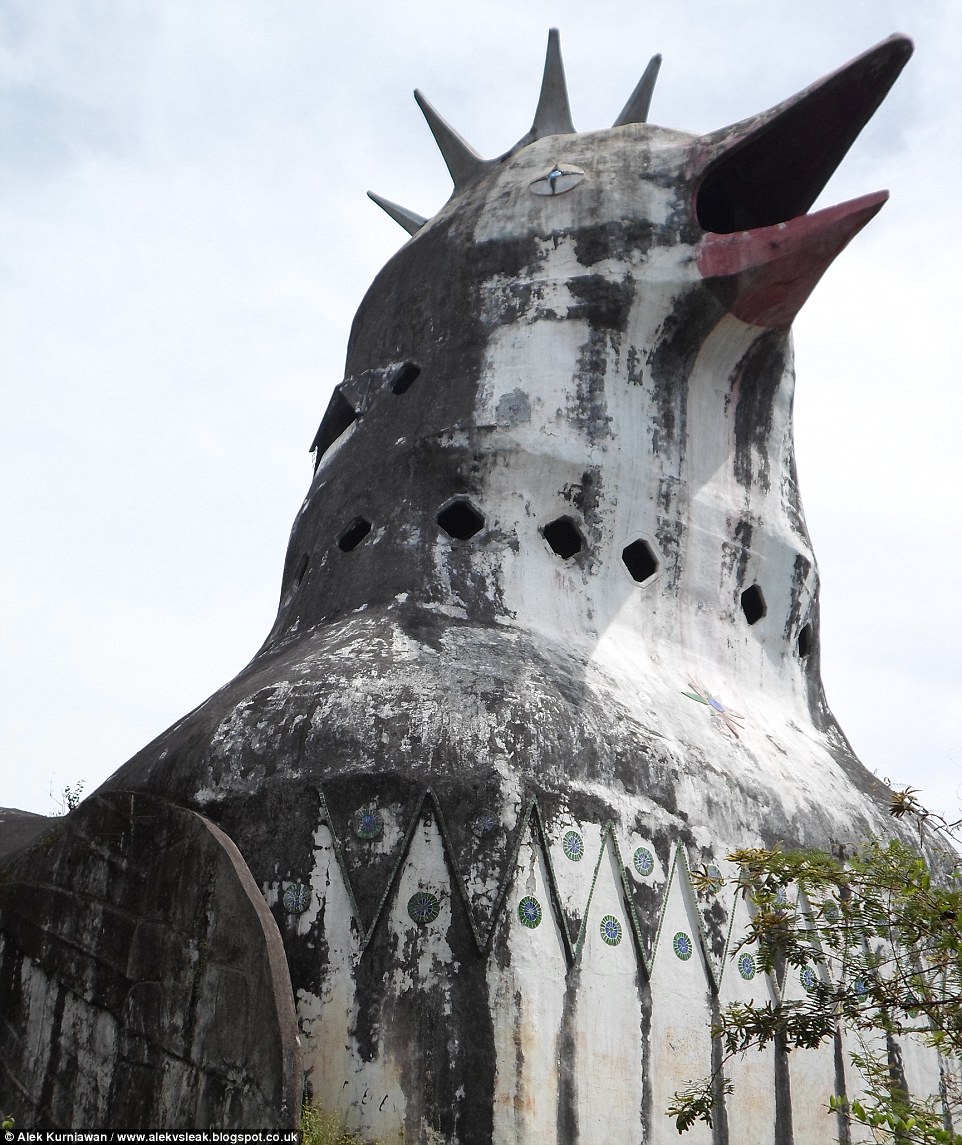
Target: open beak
x=761, y=253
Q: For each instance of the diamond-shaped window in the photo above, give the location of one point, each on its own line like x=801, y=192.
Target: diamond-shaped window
x=753, y=604
x=640, y=560
x=460, y=519
x=352, y=536
x=564, y=537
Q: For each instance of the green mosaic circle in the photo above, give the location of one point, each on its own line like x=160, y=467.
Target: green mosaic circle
x=573, y=846
x=682, y=946
x=423, y=907
x=297, y=898
x=746, y=966
x=529, y=912
x=611, y=930
x=367, y=824
x=644, y=861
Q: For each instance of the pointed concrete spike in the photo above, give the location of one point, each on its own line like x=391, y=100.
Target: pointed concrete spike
x=636, y=109
x=408, y=219
x=464, y=163
x=553, y=116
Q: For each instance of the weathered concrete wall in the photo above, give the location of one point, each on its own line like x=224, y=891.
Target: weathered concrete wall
x=143, y=983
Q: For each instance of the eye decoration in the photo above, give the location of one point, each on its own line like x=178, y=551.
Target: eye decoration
x=559, y=179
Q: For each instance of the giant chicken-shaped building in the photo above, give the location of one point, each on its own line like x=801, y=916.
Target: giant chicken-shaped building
x=548, y=639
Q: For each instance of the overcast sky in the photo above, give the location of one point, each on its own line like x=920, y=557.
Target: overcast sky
x=185, y=238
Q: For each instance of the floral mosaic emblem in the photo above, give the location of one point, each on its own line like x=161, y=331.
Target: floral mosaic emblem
x=529, y=912
x=746, y=966
x=423, y=907
x=367, y=824
x=573, y=846
x=727, y=721
x=611, y=930
x=682, y=946
x=808, y=978
x=644, y=861
x=831, y=911
x=484, y=823
x=297, y=898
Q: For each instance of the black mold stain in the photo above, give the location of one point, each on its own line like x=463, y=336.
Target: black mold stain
x=754, y=386
x=612, y=240
x=567, y=1056
x=677, y=344
x=604, y=304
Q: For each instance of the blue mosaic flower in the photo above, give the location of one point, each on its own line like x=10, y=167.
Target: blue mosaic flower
x=297, y=898
x=746, y=966
x=529, y=912
x=573, y=846
x=808, y=978
x=644, y=861
x=682, y=945
x=367, y=824
x=423, y=907
x=611, y=930
x=484, y=823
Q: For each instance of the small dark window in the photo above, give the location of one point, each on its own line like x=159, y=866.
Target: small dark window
x=805, y=639
x=564, y=537
x=340, y=415
x=460, y=519
x=352, y=536
x=301, y=570
x=753, y=604
x=639, y=560
x=404, y=377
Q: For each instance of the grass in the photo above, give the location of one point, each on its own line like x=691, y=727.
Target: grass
x=319, y=1127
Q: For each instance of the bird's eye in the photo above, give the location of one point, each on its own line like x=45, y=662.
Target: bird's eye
x=559, y=179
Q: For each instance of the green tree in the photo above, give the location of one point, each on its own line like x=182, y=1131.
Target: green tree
x=878, y=931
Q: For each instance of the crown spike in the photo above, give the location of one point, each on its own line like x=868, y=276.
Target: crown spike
x=411, y=222
x=636, y=109
x=464, y=163
x=553, y=116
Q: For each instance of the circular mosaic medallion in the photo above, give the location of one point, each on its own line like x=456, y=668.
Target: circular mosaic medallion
x=831, y=911
x=644, y=861
x=746, y=966
x=423, y=907
x=367, y=824
x=860, y=986
x=297, y=898
x=808, y=977
x=611, y=930
x=529, y=912
x=781, y=897
x=573, y=846
x=681, y=944
x=484, y=823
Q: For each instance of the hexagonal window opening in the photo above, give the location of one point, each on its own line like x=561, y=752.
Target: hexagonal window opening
x=640, y=560
x=352, y=536
x=806, y=638
x=404, y=377
x=564, y=537
x=460, y=519
x=301, y=569
x=753, y=604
